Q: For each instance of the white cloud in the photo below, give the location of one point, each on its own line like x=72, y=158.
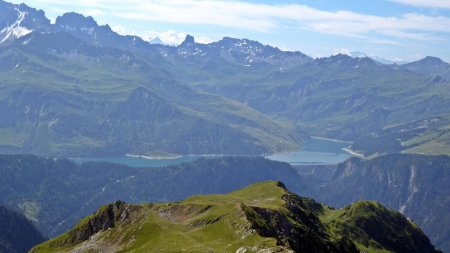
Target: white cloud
x=121, y=30
x=344, y=51
x=203, y=40
x=94, y=12
x=172, y=37
x=168, y=37
x=445, y=4
x=268, y=17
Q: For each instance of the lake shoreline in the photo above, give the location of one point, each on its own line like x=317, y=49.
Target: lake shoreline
x=155, y=157
x=353, y=153
x=329, y=139
x=317, y=151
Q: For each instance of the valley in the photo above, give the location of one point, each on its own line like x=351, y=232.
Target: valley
x=119, y=143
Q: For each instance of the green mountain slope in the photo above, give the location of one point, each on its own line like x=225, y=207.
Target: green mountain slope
x=57, y=194
x=97, y=71
x=62, y=96
x=263, y=216
x=343, y=97
x=17, y=234
x=429, y=136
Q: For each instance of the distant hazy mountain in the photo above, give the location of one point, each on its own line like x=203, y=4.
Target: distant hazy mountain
x=19, y=20
x=379, y=59
x=156, y=41
x=17, y=234
x=387, y=61
x=262, y=217
x=88, y=80
x=87, y=29
x=75, y=88
x=85, y=96
x=430, y=66
x=243, y=51
x=342, y=97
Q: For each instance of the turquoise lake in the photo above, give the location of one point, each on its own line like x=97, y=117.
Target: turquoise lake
x=314, y=152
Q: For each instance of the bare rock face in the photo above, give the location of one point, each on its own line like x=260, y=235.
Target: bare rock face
x=300, y=229
x=103, y=219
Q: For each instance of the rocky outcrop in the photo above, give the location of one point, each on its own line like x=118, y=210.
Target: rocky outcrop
x=300, y=229
x=414, y=185
x=103, y=219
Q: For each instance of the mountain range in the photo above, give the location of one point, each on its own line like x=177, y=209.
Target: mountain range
x=72, y=88
x=74, y=98
x=356, y=54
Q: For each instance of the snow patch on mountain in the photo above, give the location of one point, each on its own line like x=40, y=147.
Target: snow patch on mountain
x=15, y=30
x=89, y=30
x=355, y=54
x=349, y=52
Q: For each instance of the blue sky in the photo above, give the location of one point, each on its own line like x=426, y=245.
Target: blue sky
x=393, y=29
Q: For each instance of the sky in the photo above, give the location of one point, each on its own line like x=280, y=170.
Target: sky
x=393, y=29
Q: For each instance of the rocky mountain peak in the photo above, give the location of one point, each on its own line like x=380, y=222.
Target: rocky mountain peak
x=72, y=20
x=156, y=41
x=19, y=20
x=432, y=59
x=188, y=41
x=429, y=60
x=338, y=58
x=228, y=42
x=87, y=29
x=430, y=65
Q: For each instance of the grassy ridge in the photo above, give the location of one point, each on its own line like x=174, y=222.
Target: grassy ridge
x=263, y=216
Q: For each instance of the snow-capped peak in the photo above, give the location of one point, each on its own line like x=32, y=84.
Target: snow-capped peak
x=376, y=58
x=15, y=30
x=349, y=52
